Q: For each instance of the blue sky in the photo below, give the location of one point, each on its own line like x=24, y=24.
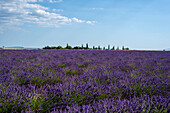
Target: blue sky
x=137, y=24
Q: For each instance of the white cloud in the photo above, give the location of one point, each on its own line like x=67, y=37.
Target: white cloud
x=77, y=20
x=91, y=22
x=96, y=8
x=18, y=12
x=29, y=0
x=55, y=1
x=58, y=10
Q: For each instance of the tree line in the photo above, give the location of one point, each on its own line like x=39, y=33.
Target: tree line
x=86, y=47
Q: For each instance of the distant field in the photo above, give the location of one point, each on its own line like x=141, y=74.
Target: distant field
x=84, y=81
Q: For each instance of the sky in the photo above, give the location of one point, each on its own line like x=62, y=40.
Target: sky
x=137, y=24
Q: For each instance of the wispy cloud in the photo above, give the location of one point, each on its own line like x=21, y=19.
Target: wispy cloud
x=51, y=1
x=58, y=10
x=96, y=8
x=18, y=12
x=55, y=1
x=91, y=22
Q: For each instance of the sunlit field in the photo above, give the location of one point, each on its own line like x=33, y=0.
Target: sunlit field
x=69, y=81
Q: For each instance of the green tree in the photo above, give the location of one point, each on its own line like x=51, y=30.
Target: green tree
x=87, y=46
x=117, y=48
x=53, y=47
x=126, y=48
x=108, y=47
x=113, y=48
x=47, y=47
x=103, y=48
x=77, y=47
x=59, y=47
x=123, y=48
x=67, y=46
x=98, y=48
x=82, y=46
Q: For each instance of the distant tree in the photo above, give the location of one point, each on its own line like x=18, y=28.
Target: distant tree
x=53, y=47
x=82, y=46
x=123, y=48
x=67, y=46
x=59, y=47
x=47, y=47
x=113, y=48
x=98, y=48
x=77, y=47
x=117, y=48
x=126, y=48
x=87, y=46
x=103, y=48
x=108, y=47
x=93, y=47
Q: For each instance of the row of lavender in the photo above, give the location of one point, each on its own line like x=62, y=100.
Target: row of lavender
x=84, y=81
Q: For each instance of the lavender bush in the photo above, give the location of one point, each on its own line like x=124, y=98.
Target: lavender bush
x=85, y=81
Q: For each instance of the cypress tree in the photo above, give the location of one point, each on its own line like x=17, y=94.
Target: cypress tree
x=99, y=48
x=67, y=46
x=108, y=47
x=117, y=48
x=123, y=48
x=113, y=48
x=87, y=46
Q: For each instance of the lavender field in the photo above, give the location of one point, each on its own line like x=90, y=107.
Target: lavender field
x=85, y=81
